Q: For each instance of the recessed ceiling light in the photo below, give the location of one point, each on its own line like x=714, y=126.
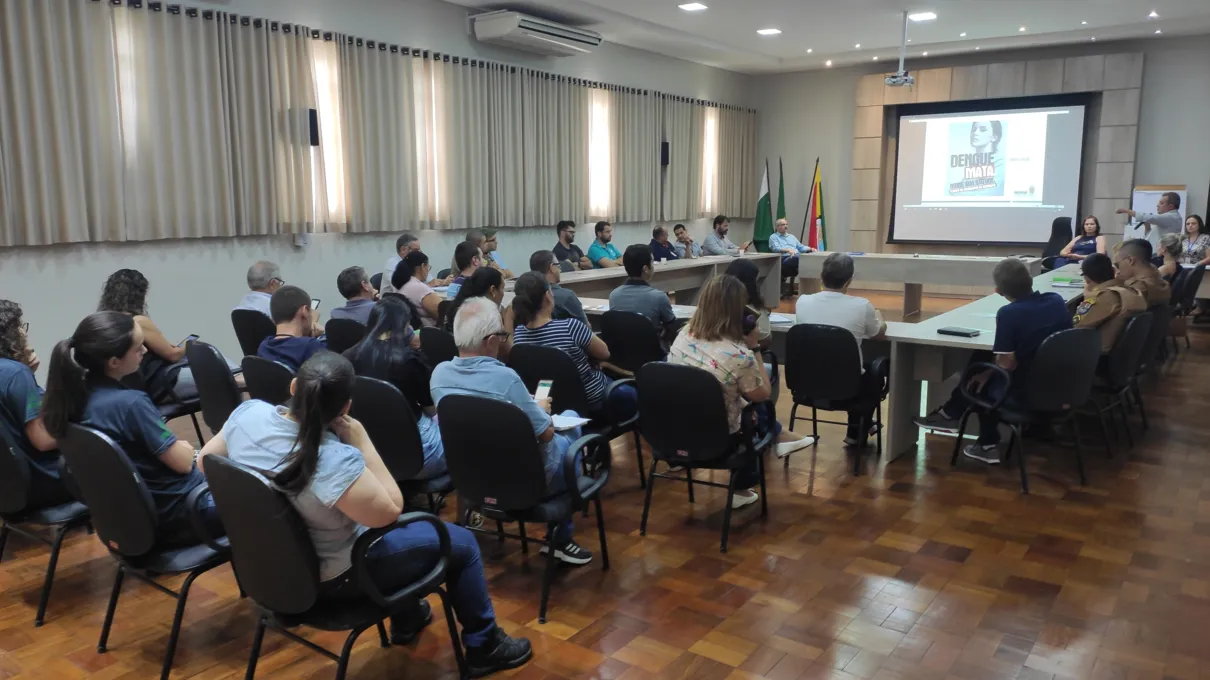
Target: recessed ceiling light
x=1094, y=38
x=909, y=40
x=1083, y=23
x=769, y=31
x=828, y=63
x=1022, y=29
x=962, y=35
x=1154, y=15
x=875, y=58
x=1158, y=31
x=923, y=16
x=692, y=7
x=858, y=46
x=809, y=50
x=976, y=49
x=926, y=54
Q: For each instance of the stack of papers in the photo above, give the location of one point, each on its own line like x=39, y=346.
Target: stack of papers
x=781, y=318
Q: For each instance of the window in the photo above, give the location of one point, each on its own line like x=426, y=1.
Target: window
x=429, y=90
x=710, y=163
x=600, y=156
x=327, y=160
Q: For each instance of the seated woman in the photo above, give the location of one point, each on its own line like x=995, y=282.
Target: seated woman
x=485, y=282
x=1087, y=242
x=533, y=309
x=338, y=483
x=84, y=387
x=1170, y=252
x=716, y=340
x=1195, y=247
x=21, y=412
x=409, y=279
x=388, y=353
x=164, y=369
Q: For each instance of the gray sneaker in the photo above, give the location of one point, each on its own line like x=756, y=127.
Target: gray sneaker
x=984, y=453
x=937, y=421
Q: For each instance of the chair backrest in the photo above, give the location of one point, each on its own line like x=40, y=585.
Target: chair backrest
x=1063, y=370
x=504, y=470
x=1177, y=284
x=117, y=497
x=535, y=363
x=684, y=416
x=822, y=362
x=1127, y=352
x=343, y=334
x=1188, y=292
x=1161, y=320
x=271, y=550
x=438, y=345
x=251, y=329
x=443, y=310
x=267, y=380
x=376, y=281
x=633, y=340
x=1060, y=236
x=442, y=274
x=389, y=421
x=216, y=386
x=14, y=478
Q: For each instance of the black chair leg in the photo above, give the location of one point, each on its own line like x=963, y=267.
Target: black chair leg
x=727, y=512
x=113, y=605
x=1075, y=427
x=549, y=574
x=638, y=454
x=257, y=639
x=1138, y=399
x=878, y=422
x=3, y=539
x=647, y=499
x=1016, y=438
x=342, y=663
x=764, y=493
x=793, y=416
x=382, y=636
x=50, y=575
x=856, y=461
x=1104, y=430
x=459, y=658
x=689, y=480
x=499, y=532
x=198, y=429
x=1126, y=423
x=815, y=424
x=524, y=539
x=175, y=633
x=601, y=535
x=961, y=432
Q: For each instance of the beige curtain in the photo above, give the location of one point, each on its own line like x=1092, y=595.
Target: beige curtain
x=556, y=150
x=737, y=177
x=60, y=141
x=636, y=137
x=299, y=186
x=249, y=112
x=682, y=179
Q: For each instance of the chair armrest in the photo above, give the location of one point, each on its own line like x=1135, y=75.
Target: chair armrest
x=979, y=400
x=170, y=398
x=418, y=588
x=748, y=431
x=609, y=391
x=195, y=519
x=881, y=367
x=69, y=481
x=570, y=473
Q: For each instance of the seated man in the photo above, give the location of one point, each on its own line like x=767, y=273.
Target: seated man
x=1106, y=305
x=1133, y=261
x=566, y=250
x=833, y=306
x=264, y=278
x=467, y=258
x=296, y=339
x=636, y=294
x=1021, y=325
x=355, y=287
x=406, y=243
x=661, y=249
x=602, y=253
x=478, y=332
x=785, y=243
x=491, y=252
x=717, y=242
x=567, y=305
x=685, y=246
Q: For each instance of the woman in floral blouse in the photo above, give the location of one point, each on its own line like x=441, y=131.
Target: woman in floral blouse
x=1195, y=248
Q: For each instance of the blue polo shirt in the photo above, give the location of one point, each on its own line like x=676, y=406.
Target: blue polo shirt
x=636, y=295
x=1023, y=324
x=290, y=350
x=662, y=251
x=21, y=404
x=130, y=419
x=597, y=252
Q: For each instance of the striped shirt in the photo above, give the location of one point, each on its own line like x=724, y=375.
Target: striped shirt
x=572, y=336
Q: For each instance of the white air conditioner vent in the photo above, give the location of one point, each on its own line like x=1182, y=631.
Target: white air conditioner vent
x=531, y=34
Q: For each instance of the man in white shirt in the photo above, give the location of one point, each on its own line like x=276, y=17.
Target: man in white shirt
x=264, y=278
x=1165, y=220
x=833, y=306
x=405, y=244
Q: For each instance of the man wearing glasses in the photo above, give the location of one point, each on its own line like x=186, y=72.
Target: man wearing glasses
x=1132, y=260
x=264, y=278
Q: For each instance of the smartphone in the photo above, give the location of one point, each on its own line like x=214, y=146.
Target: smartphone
x=315, y=304
x=188, y=340
x=960, y=332
x=543, y=390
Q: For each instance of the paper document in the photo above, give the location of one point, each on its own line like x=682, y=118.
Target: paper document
x=563, y=423
x=781, y=318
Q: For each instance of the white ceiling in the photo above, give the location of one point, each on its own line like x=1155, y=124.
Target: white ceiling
x=725, y=34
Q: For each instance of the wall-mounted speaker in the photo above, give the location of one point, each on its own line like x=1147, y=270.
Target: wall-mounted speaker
x=664, y=153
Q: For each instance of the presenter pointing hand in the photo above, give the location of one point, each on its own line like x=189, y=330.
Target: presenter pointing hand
x=1166, y=218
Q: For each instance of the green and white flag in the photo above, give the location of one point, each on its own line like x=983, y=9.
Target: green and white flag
x=764, y=215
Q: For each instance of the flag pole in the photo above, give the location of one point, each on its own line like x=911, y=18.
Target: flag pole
x=802, y=235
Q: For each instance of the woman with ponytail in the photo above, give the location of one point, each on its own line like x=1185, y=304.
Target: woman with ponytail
x=326, y=463
x=84, y=387
x=485, y=282
x=409, y=279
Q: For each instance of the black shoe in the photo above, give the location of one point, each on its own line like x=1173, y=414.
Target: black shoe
x=937, y=420
x=570, y=553
x=499, y=654
x=421, y=618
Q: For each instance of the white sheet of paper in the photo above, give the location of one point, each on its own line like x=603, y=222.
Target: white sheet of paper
x=781, y=318
x=563, y=423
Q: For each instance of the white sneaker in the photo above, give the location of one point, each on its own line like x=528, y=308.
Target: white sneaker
x=786, y=448
x=743, y=499
x=984, y=453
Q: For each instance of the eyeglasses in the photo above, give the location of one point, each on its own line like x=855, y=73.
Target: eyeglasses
x=501, y=334
x=25, y=328
x=278, y=279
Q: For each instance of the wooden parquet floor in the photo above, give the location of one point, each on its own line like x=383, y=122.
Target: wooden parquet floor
x=912, y=570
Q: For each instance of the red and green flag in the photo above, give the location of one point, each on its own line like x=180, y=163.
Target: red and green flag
x=813, y=222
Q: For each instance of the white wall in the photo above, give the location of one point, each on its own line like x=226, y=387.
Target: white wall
x=194, y=283
x=804, y=115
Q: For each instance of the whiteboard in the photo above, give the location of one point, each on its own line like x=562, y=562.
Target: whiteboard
x=1144, y=200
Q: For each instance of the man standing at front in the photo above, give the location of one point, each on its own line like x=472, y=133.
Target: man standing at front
x=1165, y=220
x=789, y=247
x=717, y=243
x=602, y=252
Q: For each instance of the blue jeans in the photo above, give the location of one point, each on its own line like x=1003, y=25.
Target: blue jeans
x=556, y=484
x=623, y=402
x=434, y=449
x=179, y=532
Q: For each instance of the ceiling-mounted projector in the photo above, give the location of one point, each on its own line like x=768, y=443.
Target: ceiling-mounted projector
x=900, y=79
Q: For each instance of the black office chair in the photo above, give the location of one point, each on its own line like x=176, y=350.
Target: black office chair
x=672, y=396
x=251, y=329
x=823, y=370
x=443, y=309
x=535, y=363
x=1059, y=383
x=276, y=565
x=267, y=380
x=437, y=345
x=216, y=387
x=442, y=274
x=343, y=334
x=125, y=521
x=1060, y=236
x=1117, y=376
x=1153, y=354
x=389, y=421
x=633, y=340
x=171, y=408
x=506, y=479
x=16, y=516
x=376, y=281
x=1184, y=299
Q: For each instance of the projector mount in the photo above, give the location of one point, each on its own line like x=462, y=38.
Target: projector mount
x=901, y=77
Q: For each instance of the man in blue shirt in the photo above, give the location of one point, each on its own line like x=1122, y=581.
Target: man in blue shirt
x=467, y=258
x=478, y=332
x=355, y=287
x=661, y=249
x=567, y=305
x=717, y=242
x=782, y=242
x=1021, y=325
x=685, y=246
x=296, y=339
x=602, y=252
x=636, y=294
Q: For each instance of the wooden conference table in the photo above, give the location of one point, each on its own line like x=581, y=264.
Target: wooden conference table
x=913, y=270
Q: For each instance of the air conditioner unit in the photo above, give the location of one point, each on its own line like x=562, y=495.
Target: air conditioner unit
x=530, y=34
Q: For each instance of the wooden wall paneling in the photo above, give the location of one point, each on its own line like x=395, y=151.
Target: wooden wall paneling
x=868, y=122
x=900, y=95
x=1114, y=180
x=1084, y=74
x=1005, y=80
x=1120, y=107
x=968, y=82
x=1044, y=76
x=867, y=152
x=1112, y=224
x=934, y=85
x=869, y=90
x=1123, y=71
x=863, y=215
x=865, y=184
x=1117, y=143
x=864, y=242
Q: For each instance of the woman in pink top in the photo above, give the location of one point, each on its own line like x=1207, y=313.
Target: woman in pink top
x=409, y=279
